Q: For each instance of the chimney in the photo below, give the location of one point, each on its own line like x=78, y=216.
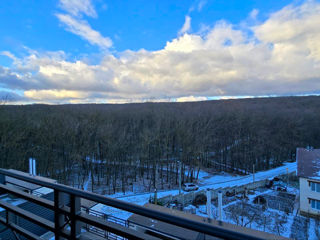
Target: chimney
x=209, y=211
x=220, y=206
x=30, y=166
x=34, y=167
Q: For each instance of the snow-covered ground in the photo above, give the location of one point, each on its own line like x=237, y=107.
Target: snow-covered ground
x=227, y=180
x=86, y=184
x=312, y=232
x=205, y=181
x=42, y=191
x=139, y=199
x=288, y=222
x=246, y=213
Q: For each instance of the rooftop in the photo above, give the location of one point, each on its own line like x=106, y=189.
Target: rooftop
x=308, y=163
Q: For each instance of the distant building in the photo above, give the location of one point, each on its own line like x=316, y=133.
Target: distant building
x=308, y=161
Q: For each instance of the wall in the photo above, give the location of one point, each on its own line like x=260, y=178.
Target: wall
x=305, y=194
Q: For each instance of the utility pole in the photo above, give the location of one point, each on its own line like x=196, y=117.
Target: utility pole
x=253, y=172
x=155, y=197
x=179, y=162
x=209, y=210
x=220, y=205
x=155, y=178
x=287, y=177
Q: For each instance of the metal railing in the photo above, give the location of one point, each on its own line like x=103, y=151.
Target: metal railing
x=69, y=218
x=106, y=217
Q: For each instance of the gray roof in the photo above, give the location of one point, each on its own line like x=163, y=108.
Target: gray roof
x=308, y=161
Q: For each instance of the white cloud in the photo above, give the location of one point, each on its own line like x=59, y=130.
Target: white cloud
x=74, y=23
x=78, y=7
x=282, y=56
x=186, y=26
x=84, y=30
x=9, y=55
x=201, y=4
x=254, y=13
x=294, y=32
x=197, y=5
x=54, y=94
x=185, y=43
x=191, y=99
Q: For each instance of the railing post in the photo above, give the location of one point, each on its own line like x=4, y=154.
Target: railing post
x=59, y=219
x=2, y=179
x=8, y=217
x=75, y=209
x=11, y=217
x=87, y=212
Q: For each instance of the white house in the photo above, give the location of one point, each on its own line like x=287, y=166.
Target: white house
x=309, y=177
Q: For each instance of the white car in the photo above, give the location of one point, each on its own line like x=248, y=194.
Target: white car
x=189, y=187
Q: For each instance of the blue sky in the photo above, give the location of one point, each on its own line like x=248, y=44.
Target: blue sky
x=131, y=24
x=70, y=51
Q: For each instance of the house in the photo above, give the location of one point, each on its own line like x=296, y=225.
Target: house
x=168, y=231
x=308, y=161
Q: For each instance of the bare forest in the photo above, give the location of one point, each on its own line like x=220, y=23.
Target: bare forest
x=120, y=145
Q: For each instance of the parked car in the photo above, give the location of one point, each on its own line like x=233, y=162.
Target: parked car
x=281, y=189
x=279, y=186
x=189, y=187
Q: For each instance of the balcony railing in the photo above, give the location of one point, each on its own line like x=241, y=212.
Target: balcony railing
x=70, y=220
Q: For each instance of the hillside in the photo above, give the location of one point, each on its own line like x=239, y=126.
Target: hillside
x=121, y=144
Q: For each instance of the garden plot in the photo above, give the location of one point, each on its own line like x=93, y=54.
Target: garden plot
x=275, y=216
x=280, y=201
x=246, y=214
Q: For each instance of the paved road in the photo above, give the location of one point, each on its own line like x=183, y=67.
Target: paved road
x=220, y=181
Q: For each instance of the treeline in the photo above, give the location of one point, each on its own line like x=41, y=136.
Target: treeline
x=123, y=144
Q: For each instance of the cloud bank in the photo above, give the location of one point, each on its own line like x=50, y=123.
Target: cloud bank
x=280, y=56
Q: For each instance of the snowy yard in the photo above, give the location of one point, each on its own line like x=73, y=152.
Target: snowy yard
x=280, y=217
x=227, y=180
x=205, y=181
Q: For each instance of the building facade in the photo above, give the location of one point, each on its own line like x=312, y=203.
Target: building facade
x=308, y=161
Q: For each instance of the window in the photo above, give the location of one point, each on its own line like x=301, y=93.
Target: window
x=315, y=204
x=315, y=186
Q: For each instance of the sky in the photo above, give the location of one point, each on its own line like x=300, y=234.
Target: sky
x=103, y=51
